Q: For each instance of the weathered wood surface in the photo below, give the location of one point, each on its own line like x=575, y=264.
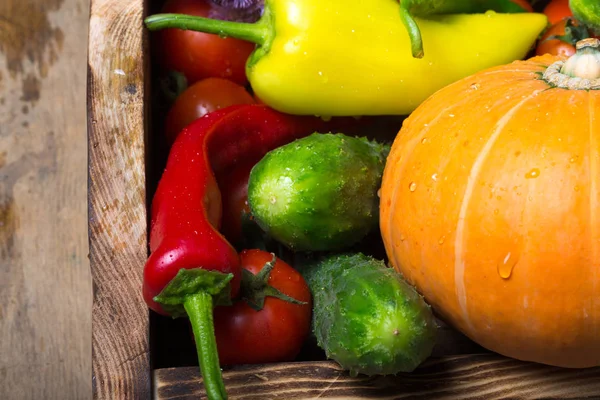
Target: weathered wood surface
x=482, y=377
x=45, y=286
x=458, y=369
x=117, y=198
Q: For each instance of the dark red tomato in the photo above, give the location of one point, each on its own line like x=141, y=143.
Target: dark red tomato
x=200, y=55
x=234, y=197
x=557, y=10
x=275, y=333
x=524, y=3
x=201, y=98
x=570, y=32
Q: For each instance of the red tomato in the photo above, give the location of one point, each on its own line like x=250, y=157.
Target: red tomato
x=557, y=10
x=524, y=3
x=234, y=196
x=571, y=32
x=201, y=98
x=200, y=55
x=275, y=333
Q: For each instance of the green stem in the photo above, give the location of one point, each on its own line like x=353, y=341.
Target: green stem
x=199, y=308
x=414, y=33
x=256, y=32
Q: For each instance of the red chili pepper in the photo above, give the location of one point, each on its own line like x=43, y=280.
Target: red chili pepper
x=192, y=267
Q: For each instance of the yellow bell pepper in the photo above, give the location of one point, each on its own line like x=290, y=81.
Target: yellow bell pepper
x=353, y=57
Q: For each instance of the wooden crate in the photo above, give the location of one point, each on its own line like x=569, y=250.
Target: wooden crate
x=127, y=351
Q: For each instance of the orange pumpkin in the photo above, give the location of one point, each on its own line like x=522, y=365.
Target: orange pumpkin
x=490, y=206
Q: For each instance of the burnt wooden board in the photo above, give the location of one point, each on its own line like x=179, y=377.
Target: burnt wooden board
x=484, y=376
x=457, y=369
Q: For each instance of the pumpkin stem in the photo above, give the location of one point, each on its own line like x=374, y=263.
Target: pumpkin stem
x=585, y=63
x=581, y=71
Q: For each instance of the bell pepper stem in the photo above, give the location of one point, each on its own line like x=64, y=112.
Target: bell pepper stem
x=199, y=308
x=252, y=32
x=414, y=33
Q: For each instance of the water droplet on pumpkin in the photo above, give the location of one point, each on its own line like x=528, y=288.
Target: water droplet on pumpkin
x=534, y=173
x=402, y=238
x=412, y=187
x=434, y=177
x=442, y=239
x=573, y=159
x=424, y=140
x=379, y=193
x=506, y=265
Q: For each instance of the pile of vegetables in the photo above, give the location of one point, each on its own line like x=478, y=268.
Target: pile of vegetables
x=279, y=179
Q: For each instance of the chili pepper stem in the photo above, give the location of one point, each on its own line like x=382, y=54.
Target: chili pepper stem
x=199, y=308
x=414, y=33
x=257, y=32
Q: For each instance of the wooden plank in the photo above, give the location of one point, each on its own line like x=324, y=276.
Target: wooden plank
x=117, y=198
x=484, y=376
x=45, y=285
x=458, y=369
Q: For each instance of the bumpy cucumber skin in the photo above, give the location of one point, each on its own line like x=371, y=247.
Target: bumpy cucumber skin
x=318, y=192
x=366, y=317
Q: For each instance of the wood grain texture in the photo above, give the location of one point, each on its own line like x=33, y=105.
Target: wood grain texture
x=457, y=369
x=117, y=198
x=45, y=285
x=484, y=377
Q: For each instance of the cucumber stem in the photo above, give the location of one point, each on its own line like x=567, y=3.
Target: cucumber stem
x=257, y=32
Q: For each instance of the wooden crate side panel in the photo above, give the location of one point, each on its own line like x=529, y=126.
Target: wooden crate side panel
x=117, y=198
x=482, y=377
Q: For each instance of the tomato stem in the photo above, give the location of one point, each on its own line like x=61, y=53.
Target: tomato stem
x=257, y=32
x=199, y=308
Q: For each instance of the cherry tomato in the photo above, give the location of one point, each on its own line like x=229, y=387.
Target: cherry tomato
x=524, y=3
x=200, y=55
x=557, y=10
x=275, y=333
x=570, y=31
x=234, y=197
x=201, y=98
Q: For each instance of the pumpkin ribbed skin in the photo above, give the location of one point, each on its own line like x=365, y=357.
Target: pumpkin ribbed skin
x=490, y=206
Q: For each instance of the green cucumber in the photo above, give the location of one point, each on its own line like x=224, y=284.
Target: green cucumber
x=588, y=13
x=366, y=317
x=319, y=192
